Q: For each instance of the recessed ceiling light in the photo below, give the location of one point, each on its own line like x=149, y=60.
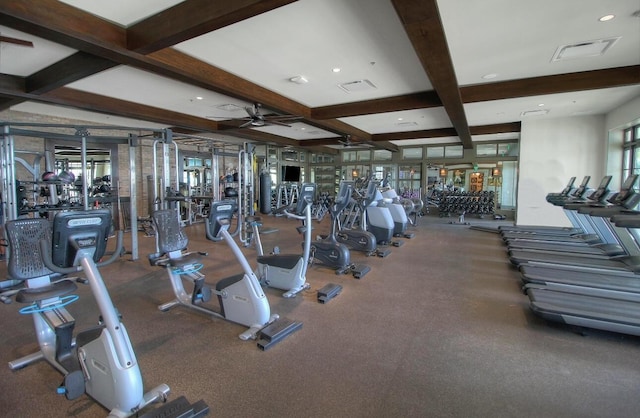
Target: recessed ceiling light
x=489, y=76
x=400, y=119
x=198, y=97
x=336, y=70
x=540, y=104
x=606, y=18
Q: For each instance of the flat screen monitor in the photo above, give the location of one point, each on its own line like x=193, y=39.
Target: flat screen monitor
x=290, y=174
x=80, y=230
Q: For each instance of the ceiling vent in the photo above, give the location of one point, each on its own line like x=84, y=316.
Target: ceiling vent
x=357, y=86
x=537, y=112
x=584, y=49
x=228, y=107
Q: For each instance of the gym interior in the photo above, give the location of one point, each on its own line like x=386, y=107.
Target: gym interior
x=383, y=216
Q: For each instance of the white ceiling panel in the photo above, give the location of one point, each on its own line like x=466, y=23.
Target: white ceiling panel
x=517, y=38
x=83, y=115
x=122, y=12
x=126, y=83
x=592, y=102
x=23, y=60
x=364, y=38
x=402, y=121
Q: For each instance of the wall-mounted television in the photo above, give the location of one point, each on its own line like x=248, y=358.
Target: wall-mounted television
x=290, y=173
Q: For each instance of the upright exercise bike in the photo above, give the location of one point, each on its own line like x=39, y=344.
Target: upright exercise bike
x=100, y=361
x=287, y=271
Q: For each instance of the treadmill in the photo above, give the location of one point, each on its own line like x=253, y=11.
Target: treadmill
x=564, y=194
x=540, y=231
x=624, y=262
x=567, y=278
x=611, y=243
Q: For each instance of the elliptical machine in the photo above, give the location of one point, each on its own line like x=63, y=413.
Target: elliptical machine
x=328, y=251
x=287, y=271
x=359, y=239
x=100, y=361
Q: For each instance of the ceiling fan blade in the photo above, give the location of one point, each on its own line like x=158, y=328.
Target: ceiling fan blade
x=277, y=122
x=15, y=41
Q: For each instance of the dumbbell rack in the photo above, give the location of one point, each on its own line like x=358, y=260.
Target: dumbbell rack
x=469, y=203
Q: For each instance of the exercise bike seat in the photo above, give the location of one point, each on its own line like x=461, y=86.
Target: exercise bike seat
x=53, y=290
x=286, y=261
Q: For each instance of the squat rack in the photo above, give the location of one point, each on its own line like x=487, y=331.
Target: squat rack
x=82, y=134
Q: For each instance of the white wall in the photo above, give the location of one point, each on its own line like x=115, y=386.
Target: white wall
x=551, y=152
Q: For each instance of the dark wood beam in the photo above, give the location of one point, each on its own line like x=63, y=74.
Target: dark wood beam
x=421, y=21
x=193, y=18
x=500, y=128
x=426, y=133
x=425, y=99
x=445, y=132
x=65, y=71
x=552, y=84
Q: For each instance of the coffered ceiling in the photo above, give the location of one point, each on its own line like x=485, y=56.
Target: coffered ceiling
x=384, y=73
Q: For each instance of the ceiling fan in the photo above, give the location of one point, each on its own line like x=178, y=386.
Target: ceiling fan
x=256, y=119
x=347, y=143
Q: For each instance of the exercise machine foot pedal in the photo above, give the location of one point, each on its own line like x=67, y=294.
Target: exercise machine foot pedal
x=360, y=270
x=73, y=386
x=383, y=253
x=179, y=408
x=328, y=292
x=276, y=332
x=397, y=243
x=409, y=235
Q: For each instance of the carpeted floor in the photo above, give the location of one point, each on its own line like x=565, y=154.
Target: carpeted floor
x=437, y=329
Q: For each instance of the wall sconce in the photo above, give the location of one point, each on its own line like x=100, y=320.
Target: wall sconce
x=443, y=172
x=354, y=173
x=496, y=172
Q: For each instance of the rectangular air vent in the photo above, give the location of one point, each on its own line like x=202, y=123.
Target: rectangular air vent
x=406, y=124
x=584, y=49
x=537, y=112
x=356, y=86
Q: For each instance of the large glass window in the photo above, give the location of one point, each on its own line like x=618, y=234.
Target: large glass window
x=631, y=151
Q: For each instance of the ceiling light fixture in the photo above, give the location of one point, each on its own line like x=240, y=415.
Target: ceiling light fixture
x=606, y=18
x=336, y=70
x=199, y=97
x=489, y=76
x=299, y=79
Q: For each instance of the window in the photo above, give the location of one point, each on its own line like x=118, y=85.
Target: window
x=435, y=152
x=453, y=151
x=382, y=155
x=411, y=153
x=631, y=151
x=486, y=150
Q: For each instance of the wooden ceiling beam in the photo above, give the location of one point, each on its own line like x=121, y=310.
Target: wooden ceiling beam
x=193, y=18
x=552, y=84
x=67, y=70
x=421, y=21
x=422, y=100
